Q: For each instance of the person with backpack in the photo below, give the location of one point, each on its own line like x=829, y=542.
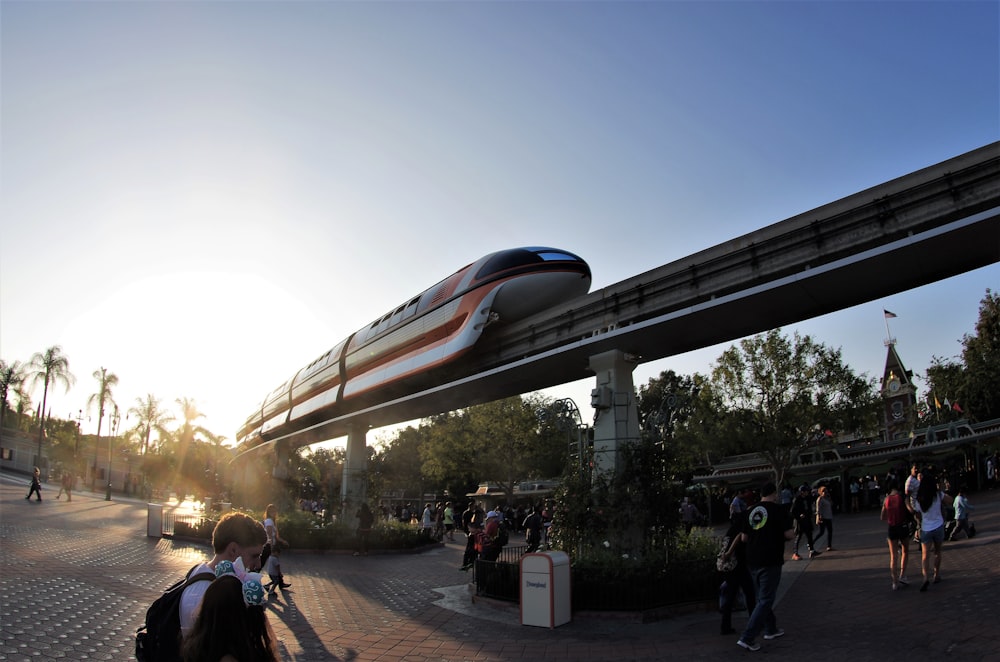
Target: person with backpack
x=802, y=521
x=36, y=486
x=172, y=615
x=494, y=537
x=276, y=543
x=232, y=625
x=732, y=563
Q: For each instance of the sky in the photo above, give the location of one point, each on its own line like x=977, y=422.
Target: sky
x=203, y=197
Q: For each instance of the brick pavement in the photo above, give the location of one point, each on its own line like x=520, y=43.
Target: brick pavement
x=76, y=579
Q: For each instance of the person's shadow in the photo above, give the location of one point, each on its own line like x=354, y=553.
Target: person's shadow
x=282, y=604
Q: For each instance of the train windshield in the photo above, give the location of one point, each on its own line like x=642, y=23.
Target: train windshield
x=519, y=257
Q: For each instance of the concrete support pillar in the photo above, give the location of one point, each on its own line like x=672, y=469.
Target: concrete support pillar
x=616, y=420
x=282, y=457
x=354, y=487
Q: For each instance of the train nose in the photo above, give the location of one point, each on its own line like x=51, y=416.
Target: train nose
x=522, y=297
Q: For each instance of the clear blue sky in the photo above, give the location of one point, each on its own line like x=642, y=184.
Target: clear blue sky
x=202, y=197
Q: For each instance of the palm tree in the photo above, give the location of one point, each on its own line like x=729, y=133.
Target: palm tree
x=23, y=403
x=189, y=410
x=105, y=380
x=11, y=377
x=151, y=416
x=49, y=367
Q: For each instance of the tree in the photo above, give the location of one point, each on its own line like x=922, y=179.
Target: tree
x=106, y=381
x=185, y=453
x=23, y=403
x=669, y=407
x=150, y=416
x=500, y=442
x=48, y=367
x=104, y=397
x=786, y=394
x=11, y=377
x=399, y=467
x=189, y=412
x=981, y=355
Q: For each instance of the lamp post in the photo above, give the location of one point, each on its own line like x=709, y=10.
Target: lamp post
x=115, y=420
x=79, y=421
x=569, y=419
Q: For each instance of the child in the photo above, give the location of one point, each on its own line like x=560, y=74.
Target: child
x=962, y=508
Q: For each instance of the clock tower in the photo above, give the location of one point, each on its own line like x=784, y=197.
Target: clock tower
x=899, y=396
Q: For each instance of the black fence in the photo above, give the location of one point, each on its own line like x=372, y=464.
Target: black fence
x=679, y=583
x=500, y=579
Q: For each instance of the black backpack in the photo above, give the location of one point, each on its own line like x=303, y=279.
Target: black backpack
x=503, y=537
x=159, y=639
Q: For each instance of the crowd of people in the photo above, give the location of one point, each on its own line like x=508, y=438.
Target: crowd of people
x=924, y=507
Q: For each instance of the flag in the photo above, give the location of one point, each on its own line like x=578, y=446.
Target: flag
x=947, y=405
x=955, y=407
x=887, y=314
x=937, y=403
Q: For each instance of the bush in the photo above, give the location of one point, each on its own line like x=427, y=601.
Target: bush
x=304, y=530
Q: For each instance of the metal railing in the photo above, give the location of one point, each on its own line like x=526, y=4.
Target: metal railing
x=500, y=579
x=170, y=518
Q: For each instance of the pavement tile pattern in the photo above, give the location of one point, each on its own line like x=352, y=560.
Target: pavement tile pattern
x=76, y=579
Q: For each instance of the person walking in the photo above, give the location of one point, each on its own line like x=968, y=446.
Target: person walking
x=277, y=544
x=927, y=508
x=735, y=578
x=36, y=486
x=449, y=521
x=765, y=531
x=365, y=521
x=690, y=515
x=427, y=519
x=532, y=526
x=802, y=520
x=824, y=517
x=895, y=515
x=66, y=485
x=962, y=508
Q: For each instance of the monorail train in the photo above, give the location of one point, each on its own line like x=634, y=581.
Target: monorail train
x=414, y=345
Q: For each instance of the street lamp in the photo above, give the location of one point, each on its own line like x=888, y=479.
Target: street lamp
x=568, y=418
x=79, y=421
x=115, y=420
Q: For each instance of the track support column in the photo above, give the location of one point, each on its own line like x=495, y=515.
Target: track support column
x=616, y=420
x=354, y=486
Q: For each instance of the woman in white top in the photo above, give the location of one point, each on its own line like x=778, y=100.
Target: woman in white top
x=277, y=543
x=927, y=506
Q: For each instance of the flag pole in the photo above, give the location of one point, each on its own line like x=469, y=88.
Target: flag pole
x=888, y=335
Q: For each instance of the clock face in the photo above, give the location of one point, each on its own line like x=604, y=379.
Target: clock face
x=894, y=385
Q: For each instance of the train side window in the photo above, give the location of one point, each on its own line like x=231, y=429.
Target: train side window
x=383, y=324
x=411, y=308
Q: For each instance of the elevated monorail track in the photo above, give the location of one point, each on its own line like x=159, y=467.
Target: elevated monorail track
x=926, y=226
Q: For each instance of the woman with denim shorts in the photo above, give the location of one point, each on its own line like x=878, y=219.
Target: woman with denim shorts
x=927, y=507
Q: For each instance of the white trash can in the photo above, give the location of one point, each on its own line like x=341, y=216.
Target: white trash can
x=545, y=590
x=154, y=520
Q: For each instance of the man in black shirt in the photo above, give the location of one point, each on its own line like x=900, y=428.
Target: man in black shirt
x=766, y=529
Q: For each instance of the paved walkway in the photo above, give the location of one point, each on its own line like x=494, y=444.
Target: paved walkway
x=76, y=579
